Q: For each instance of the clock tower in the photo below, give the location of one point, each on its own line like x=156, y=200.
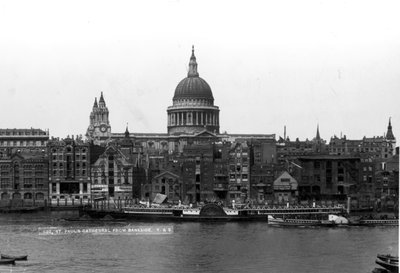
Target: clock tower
x=99, y=130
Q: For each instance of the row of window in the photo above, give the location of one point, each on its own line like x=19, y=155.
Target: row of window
x=243, y=176
x=374, y=144
x=62, y=158
x=102, y=181
x=27, y=185
x=24, y=166
x=61, y=165
x=61, y=172
x=17, y=143
x=28, y=195
x=357, y=150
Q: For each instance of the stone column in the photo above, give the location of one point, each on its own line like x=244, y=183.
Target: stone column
x=58, y=188
x=80, y=188
x=50, y=189
x=202, y=120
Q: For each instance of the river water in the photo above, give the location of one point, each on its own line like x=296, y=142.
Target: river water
x=188, y=247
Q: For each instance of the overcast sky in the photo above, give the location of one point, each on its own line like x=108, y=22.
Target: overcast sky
x=269, y=64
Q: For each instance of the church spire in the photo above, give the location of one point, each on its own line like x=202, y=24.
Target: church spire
x=101, y=100
x=193, y=65
x=95, y=103
x=318, y=136
x=126, y=131
x=389, y=134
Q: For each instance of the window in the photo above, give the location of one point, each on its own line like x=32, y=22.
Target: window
x=28, y=195
x=39, y=196
x=39, y=182
x=4, y=183
x=27, y=182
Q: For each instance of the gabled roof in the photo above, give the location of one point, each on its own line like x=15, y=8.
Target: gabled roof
x=166, y=173
x=289, y=185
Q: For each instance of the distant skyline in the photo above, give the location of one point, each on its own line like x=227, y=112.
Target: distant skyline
x=269, y=64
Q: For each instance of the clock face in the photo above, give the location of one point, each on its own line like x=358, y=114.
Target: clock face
x=103, y=128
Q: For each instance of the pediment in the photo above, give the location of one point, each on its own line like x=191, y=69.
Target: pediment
x=205, y=133
x=166, y=173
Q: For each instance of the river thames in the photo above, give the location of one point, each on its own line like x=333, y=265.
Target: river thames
x=188, y=247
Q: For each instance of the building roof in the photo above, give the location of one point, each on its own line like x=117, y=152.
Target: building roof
x=193, y=87
x=327, y=157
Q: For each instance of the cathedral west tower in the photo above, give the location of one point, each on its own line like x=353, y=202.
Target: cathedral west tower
x=193, y=110
x=99, y=130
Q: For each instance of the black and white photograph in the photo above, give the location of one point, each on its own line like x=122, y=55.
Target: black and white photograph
x=199, y=136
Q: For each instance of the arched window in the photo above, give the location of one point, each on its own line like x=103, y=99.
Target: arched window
x=16, y=196
x=5, y=196
x=28, y=195
x=39, y=196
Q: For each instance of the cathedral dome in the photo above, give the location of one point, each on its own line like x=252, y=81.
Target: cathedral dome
x=193, y=109
x=193, y=87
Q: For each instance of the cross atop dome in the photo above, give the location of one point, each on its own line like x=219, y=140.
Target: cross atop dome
x=193, y=65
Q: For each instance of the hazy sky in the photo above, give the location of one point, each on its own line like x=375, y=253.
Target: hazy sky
x=269, y=64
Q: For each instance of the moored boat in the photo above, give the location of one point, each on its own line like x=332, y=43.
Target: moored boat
x=7, y=261
x=294, y=222
x=207, y=212
x=392, y=266
x=375, y=222
x=388, y=258
x=16, y=258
